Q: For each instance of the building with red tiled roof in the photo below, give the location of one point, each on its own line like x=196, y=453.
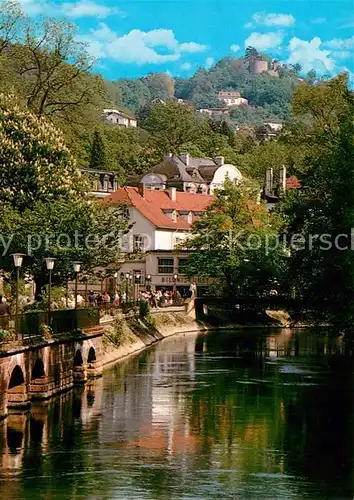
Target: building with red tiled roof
x=162, y=220
x=168, y=209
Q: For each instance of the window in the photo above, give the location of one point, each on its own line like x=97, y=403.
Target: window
x=182, y=264
x=139, y=243
x=165, y=266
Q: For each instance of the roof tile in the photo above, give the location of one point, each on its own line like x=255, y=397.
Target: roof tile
x=155, y=202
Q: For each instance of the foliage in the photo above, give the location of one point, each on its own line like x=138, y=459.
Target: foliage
x=45, y=331
x=98, y=152
x=322, y=267
x=35, y=163
x=144, y=308
x=230, y=242
x=171, y=125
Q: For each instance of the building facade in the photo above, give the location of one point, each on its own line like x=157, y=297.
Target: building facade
x=116, y=117
x=102, y=183
x=188, y=174
x=162, y=221
x=232, y=98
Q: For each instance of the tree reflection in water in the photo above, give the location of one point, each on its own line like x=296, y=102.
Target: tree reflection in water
x=223, y=415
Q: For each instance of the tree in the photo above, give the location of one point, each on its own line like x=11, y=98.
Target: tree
x=98, y=152
x=35, y=163
x=229, y=242
x=250, y=53
x=10, y=21
x=75, y=230
x=171, y=125
x=322, y=261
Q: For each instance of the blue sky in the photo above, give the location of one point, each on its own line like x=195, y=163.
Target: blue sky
x=133, y=37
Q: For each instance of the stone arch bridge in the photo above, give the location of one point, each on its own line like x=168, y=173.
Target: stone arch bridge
x=40, y=371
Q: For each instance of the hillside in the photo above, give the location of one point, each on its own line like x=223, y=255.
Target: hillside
x=268, y=96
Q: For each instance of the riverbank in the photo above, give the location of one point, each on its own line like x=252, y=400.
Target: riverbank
x=126, y=336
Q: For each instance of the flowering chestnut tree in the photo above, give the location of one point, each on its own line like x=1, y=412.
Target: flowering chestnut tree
x=35, y=163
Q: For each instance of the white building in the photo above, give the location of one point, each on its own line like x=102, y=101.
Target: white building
x=274, y=124
x=162, y=221
x=232, y=98
x=189, y=174
x=117, y=117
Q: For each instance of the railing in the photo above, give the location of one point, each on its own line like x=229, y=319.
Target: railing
x=61, y=321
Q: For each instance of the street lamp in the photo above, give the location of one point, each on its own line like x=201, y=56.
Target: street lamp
x=127, y=286
x=137, y=282
x=18, y=259
x=148, y=279
x=49, y=262
x=77, y=267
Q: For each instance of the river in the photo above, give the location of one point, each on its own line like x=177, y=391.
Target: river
x=229, y=415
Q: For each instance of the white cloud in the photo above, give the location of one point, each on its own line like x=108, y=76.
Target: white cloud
x=235, y=48
x=310, y=55
x=186, y=66
x=263, y=19
x=33, y=7
x=264, y=41
x=136, y=47
x=192, y=47
x=88, y=8
x=341, y=54
x=340, y=43
x=209, y=62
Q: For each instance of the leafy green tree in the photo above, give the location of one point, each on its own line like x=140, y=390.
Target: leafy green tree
x=171, y=125
x=98, y=152
x=322, y=261
x=229, y=242
x=80, y=229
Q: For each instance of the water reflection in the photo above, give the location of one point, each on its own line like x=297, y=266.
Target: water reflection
x=224, y=415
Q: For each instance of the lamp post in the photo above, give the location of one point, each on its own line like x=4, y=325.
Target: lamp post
x=131, y=291
x=77, y=267
x=18, y=259
x=85, y=280
x=127, y=286
x=148, y=279
x=49, y=262
x=137, y=281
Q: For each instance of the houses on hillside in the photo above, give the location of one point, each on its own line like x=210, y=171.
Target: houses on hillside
x=116, y=117
x=232, y=98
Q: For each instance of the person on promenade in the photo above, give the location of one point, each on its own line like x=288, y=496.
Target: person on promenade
x=92, y=299
x=4, y=307
x=193, y=290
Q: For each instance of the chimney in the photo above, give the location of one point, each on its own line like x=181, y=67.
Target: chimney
x=219, y=160
x=172, y=193
x=185, y=158
x=269, y=181
x=142, y=189
x=282, y=179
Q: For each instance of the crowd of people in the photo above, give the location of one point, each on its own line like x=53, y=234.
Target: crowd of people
x=159, y=298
